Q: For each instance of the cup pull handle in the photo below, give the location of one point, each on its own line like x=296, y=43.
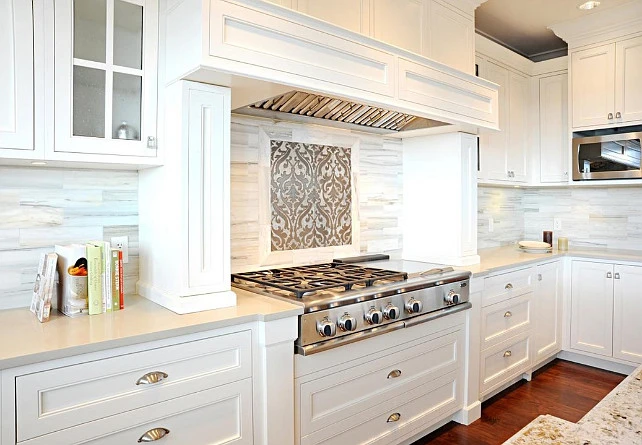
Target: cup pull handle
x=508, y=314
x=394, y=417
x=617, y=275
x=609, y=275
x=153, y=435
x=618, y=115
x=394, y=373
x=610, y=116
x=152, y=378
x=507, y=354
x=508, y=286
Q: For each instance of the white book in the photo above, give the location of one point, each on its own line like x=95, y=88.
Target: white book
x=44, y=286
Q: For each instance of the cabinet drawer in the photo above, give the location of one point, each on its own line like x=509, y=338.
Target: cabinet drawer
x=384, y=423
x=59, y=398
x=507, y=285
x=330, y=399
x=504, y=361
x=503, y=320
x=222, y=415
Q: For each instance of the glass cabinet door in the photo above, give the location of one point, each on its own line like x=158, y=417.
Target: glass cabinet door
x=105, y=76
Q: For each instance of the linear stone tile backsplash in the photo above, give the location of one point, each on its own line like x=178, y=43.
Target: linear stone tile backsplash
x=608, y=217
x=40, y=207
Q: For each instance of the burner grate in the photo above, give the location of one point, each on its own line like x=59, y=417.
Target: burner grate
x=300, y=280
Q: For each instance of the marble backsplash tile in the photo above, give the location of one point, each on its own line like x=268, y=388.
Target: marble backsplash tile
x=506, y=208
x=40, y=207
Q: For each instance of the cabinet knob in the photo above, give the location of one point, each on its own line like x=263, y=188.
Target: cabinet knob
x=609, y=275
x=508, y=314
x=154, y=435
x=394, y=374
x=151, y=378
x=508, y=286
x=151, y=142
x=618, y=115
x=539, y=277
x=507, y=354
x=565, y=173
x=610, y=116
x=617, y=275
x=394, y=417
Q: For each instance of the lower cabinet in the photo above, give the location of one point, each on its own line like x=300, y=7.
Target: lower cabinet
x=547, y=311
x=606, y=310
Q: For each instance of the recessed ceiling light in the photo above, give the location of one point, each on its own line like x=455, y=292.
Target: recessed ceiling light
x=589, y=5
x=38, y=163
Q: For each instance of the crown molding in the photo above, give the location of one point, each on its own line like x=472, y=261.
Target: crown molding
x=599, y=26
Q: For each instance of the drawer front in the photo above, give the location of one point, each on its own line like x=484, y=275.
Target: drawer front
x=222, y=415
x=328, y=400
x=63, y=397
x=506, y=286
x=384, y=423
x=505, y=361
x=503, y=320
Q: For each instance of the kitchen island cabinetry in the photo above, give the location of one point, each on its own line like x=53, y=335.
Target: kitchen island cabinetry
x=16, y=79
x=605, y=310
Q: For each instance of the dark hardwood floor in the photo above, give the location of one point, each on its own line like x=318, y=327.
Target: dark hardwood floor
x=562, y=389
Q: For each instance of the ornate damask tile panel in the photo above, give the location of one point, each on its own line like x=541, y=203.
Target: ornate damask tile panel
x=310, y=195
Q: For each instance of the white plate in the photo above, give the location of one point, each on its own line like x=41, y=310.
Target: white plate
x=522, y=249
x=534, y=245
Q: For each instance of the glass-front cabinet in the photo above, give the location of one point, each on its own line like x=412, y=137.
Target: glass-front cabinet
x=105, y=77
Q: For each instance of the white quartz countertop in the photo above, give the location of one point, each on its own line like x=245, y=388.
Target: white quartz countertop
x=616, y=420
x=26, y=341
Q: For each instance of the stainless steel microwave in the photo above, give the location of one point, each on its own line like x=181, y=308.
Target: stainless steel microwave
x=613, y=156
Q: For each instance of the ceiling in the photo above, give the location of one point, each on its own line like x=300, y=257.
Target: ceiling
x=521, y=25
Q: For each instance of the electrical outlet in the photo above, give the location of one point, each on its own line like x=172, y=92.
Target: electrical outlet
x=122, y=243
x=557, y=223
x=491, y=224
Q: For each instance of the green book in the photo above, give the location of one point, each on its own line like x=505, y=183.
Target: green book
x=95, y=278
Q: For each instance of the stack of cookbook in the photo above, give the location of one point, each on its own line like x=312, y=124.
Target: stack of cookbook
x=90, y=279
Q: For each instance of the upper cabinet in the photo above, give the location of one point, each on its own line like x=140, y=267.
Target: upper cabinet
x=16, y=78
x=441, y=30
x=553, y=128
x=628, y=80
x=105, y=73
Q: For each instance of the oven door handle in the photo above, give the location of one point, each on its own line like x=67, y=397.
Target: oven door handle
x=437, y=314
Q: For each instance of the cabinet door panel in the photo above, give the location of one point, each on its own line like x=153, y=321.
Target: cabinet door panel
x=16, y=75
x=451, y=38
x=349, y=14
x=628, y=84
x=553, y=128
x=493, y=145
x=627, y=313
x=593, y=78
x=399, y=22
x=208, y=191
x=592, y=307
x=547, y=305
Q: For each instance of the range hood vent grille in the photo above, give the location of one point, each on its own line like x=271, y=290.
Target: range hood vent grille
x=318, y=106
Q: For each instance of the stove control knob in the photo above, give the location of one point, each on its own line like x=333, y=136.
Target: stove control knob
x=414, y=306
x=326, y=328
x=452, y=297
x=374, y=316
x=347, y=322
x=391, y=312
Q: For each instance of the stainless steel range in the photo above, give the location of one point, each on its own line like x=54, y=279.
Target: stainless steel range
x=344, y=303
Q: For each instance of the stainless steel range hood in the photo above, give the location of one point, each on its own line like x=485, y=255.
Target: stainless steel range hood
x=300, y=106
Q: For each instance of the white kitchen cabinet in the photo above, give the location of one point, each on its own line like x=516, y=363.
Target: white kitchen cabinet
x=451, y=37
x=553, y=129
x=517, y=127
x=592, y=307
x=105, y=81
x=400, y=23
x=607, y=84
x=349, y=14
x=186, y=266
x=627, y=313
x=16, y=78
x=628, y=80
x=547, y=311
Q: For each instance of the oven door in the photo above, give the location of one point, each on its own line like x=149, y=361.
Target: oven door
x=615, y=156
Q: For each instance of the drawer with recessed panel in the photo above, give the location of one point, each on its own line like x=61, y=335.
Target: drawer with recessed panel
x=63, y=397
x=504, y=361
x=505, y=319
x=507, y=285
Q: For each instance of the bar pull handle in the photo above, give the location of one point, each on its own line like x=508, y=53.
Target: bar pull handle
x=507, y=354
x=394, y=374
x=153, y=435
x=394, y=417
x=152, y=378
x=508, y=314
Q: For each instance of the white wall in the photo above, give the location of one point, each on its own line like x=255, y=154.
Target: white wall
x=40, y=207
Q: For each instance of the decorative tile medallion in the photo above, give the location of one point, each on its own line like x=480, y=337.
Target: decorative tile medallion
x=310, y=195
